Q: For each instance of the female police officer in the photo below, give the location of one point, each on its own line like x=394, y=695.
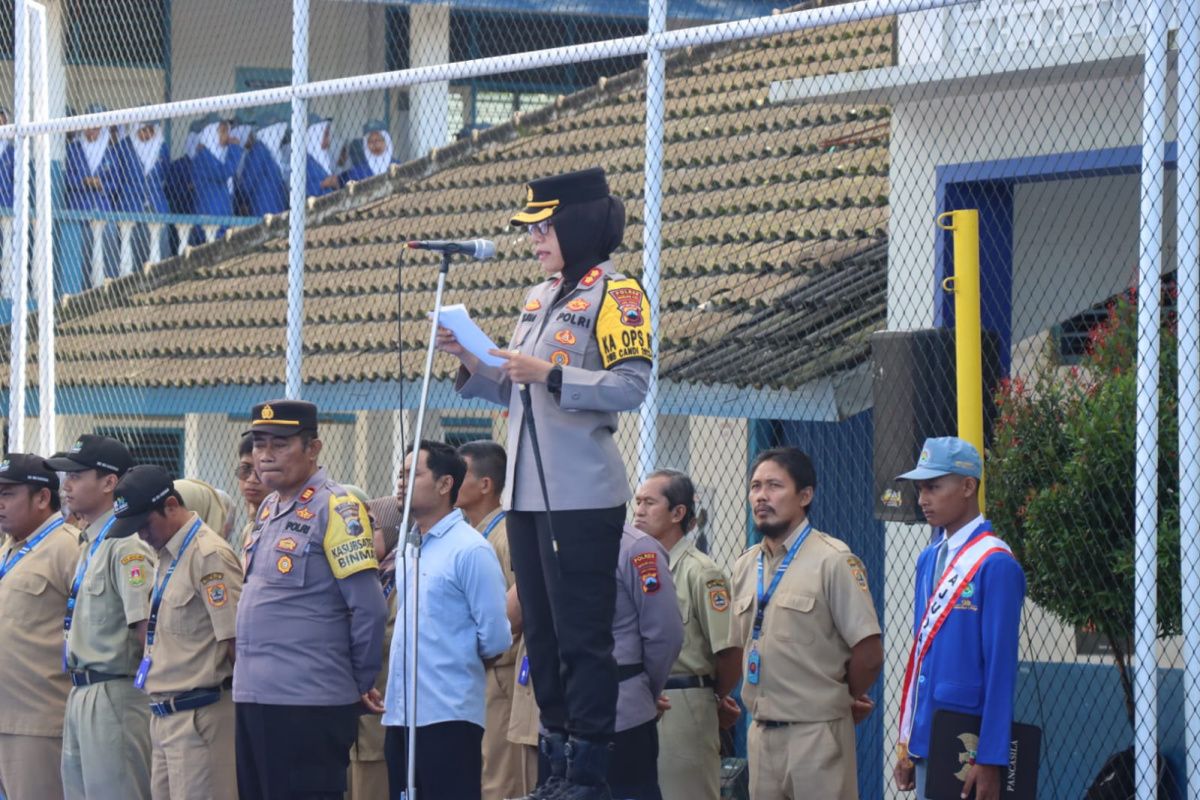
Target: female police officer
x=582, y=345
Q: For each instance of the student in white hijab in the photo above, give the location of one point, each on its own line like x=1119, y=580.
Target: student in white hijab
x=214, y=163
x=262, y=180
x=376, y=153
x=321, y=179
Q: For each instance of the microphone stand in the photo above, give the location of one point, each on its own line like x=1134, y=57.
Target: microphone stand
x=415, y=539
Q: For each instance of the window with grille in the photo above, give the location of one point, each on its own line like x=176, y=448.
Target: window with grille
x=162, y=447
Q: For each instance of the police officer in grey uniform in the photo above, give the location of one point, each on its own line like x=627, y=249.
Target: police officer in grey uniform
x=647, y=638
x=583, y=347
x=310, y=620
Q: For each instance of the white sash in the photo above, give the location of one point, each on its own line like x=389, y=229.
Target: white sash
x=954, y=580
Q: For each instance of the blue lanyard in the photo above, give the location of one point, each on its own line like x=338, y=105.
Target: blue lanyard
x=491, y=525
x=11, y=560
x=764, y=597
x=156, y=599
x=80, y=571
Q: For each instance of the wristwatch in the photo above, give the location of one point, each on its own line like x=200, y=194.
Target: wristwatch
x=554, y=379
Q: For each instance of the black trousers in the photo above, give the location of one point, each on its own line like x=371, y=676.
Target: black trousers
x=567, y=602
x=294, y=752
x=633, y=766
x=449, y=761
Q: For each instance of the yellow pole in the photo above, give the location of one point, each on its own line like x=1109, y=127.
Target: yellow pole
x=968, y=325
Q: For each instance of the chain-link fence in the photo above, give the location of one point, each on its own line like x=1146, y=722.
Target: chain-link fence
x=786, y=222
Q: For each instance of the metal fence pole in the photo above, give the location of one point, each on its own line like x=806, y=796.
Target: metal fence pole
x=656, y=111
x=43, y=242
x=1150, y=240
x=1188, y=272
x=20, y=239
x=296, y=214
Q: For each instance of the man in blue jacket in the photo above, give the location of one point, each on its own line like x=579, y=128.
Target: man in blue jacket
x=967, y=619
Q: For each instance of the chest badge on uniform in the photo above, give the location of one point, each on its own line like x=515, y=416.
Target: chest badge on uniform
x=304, y=513
x=578, y=304
x=629, y=303
x=560, y=358
x=217, y=595
x=718, y=599
x=591, y=277
x=647, y=567
x=287, y=543
x=565, y=337
x=284, y=564
x=137, y=577
x=969, y=590
x=307, y=495
x=533, y=305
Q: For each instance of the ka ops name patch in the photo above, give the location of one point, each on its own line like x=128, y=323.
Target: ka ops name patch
x=623, y=323
x=349, y=546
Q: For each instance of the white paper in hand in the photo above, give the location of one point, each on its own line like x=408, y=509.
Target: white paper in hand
x=469, y=335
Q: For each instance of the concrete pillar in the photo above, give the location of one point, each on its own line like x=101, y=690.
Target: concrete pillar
x=429, y=104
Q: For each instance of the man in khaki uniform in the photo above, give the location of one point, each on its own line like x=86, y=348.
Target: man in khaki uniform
x=368, y=775
x=106, y=735
x=811, y=637
x=509, y=770
x=696, y=701
x=37, y=562
x=188, y=666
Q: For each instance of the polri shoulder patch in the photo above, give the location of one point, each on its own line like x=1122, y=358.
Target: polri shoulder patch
x=623, y=323
x=349, y=544
x=647, y=568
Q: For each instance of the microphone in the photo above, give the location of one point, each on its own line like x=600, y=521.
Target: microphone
x=479, y=249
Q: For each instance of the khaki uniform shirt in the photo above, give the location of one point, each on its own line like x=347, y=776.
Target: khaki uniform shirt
x=704, y=603
x=198, y=613
x=33, y=599
x=311, y=616
x=114, y=597
x=524, y=723
x=498, y=539
x=599, y=334
x=820, y=610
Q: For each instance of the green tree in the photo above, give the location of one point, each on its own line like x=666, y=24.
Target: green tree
x=1060, y=483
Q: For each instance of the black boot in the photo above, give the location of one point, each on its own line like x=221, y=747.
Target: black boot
x=587, y=771
x=554, y=749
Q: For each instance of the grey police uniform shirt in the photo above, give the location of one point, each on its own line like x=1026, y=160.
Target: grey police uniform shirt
x=583, y=465
x=647, y=626
x=305, y=635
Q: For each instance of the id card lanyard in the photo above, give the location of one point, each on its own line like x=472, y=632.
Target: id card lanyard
x=14, y=558
x=73, y=597
x=492, y=525
x=754, y=659
x=139, y=680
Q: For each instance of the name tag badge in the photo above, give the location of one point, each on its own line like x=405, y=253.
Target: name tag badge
x=139, y=680
x=523, y=674
x=753, y=667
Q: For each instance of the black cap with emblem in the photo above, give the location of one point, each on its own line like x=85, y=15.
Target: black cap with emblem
x=548, y=196
x=283, y=418
x=94, y=452
x=142, y=490
x=28, y=469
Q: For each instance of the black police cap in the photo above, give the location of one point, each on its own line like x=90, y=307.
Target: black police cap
x=28, y=469
x=140, y=491
x=94, y=452
x=545, y=196
x=283, y=417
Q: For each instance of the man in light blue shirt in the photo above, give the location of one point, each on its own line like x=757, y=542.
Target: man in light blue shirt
x=463, y=626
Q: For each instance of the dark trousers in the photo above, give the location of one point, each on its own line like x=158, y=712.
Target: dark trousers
x=632, y=765
x=294, y=752
x=449, y=761
x=567, y=602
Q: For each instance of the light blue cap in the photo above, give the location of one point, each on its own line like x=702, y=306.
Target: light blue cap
x=946, y=455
